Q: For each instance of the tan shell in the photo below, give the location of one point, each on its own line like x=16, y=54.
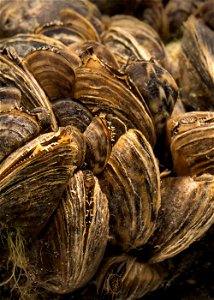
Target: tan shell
x=13, y=73
x=187, y=212
x=98, y=141
x=75, y=239
x=33, y=178
x=124, y=278
x=196, y=66
x=132, y=185
x=157, y=87
x=54, y=70
x=100, y=87
x=191, y=139
x=127, y=36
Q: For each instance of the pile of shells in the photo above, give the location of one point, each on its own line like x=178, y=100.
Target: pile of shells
x=106, y=142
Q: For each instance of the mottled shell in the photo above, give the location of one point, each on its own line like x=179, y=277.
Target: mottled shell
x=32, y=180
x=13, y=73
x=127, y=36
x=124, y=278
x=132, y=185
x=196, y=66
x=98, y=138
x=157, y=87
x=54, y=70
x=191, y=138
x=187, y=212
x=75, y=239
x=99, y=87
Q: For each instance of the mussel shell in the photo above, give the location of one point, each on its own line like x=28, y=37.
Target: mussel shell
x=99, y=87
x=54, y=70
x=191, y=139
x=127, y=37
x=23, y=43
x=70, y=111
x=132, y=185
x=157, y=87
x=98, y=142
x=16, y=129
x=13, y=73
x=196, y=66
x=124, y=278
x=87, y=48
x=33, y=178
x=24, y=17
x=75, y=239
x=10, y=98
x=186, y=213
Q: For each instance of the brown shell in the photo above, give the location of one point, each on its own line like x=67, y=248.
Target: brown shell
x=75, y=239
x=53, y=69
x=13, y=73
x=70, y=111
x=87, y=48
x=10, y=98
x=191, y=138
x=99, y=87
x=33, y=178
x=196, y=66
x=16, y=129
x=186, y=213
x=23, y=43
x=157, y=87
x=127, y=37
x=98, y=138
x=24, y=17
x=132, y=185
x=124, y=278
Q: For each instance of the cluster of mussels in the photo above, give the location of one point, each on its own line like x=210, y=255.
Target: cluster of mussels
x=106, y=142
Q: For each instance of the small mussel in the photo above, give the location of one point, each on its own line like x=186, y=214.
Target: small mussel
x=191, y=139
x=69, y=252
x=186, y=213
x=132, y=185
x=98, y=138
x=124, y=278
x=33, y=178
